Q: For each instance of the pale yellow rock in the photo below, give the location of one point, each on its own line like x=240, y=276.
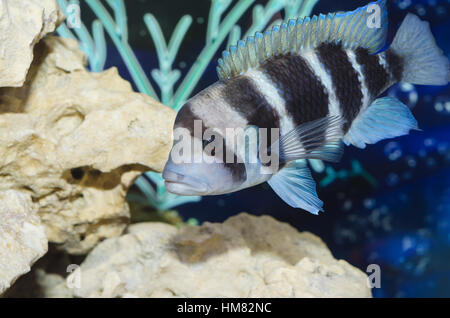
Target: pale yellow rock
x=22, y=237
x=22, y=24
x=52, y=285
x=246, y=256
x=75, y=141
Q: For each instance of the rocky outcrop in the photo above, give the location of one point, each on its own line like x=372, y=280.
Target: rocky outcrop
x=22, y=237
x=22, y=25
x=246, y=256
x=75, y=141
x=71, y=141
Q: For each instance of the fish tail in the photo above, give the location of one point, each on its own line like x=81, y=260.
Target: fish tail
x=422, y=61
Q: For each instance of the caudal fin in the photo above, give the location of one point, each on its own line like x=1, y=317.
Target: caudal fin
x=423, y=60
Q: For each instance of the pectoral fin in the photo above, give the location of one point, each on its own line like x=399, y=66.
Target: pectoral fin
x=295, y=185
x=318, y=139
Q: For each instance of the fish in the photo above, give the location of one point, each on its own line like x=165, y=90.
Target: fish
x=300, y=90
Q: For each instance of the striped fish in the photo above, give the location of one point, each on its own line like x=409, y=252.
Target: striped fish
x=311, y=83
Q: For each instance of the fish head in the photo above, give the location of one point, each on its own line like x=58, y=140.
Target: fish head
x=198, y=163
x=197, y=178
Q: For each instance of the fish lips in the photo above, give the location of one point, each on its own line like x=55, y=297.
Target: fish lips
x=181, y=184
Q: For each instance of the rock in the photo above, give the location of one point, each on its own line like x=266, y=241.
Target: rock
x=47, y=277
x=22, y=25
x=246, y=256
x=52, y=285
x=74, y=141
x=22, y=237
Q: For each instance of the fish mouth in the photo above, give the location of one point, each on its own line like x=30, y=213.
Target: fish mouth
x=181, y=184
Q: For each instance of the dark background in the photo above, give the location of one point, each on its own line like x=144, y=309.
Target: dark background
x=396, y=211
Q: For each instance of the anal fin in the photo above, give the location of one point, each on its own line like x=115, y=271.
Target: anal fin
x=295, y=185
x=385, y=118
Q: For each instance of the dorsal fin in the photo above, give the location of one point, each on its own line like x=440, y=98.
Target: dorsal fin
x=365, y=27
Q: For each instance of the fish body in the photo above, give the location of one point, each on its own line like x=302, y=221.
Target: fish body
x=310, y=83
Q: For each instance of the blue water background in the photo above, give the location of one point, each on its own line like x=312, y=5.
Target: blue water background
x=395, y=214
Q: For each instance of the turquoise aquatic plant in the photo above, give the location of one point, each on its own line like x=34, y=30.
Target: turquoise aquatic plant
x=356, y=171
x=220, y=27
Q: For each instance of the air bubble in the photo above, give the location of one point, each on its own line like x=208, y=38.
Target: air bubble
x=392, y=179
x=429, y=142
x=403, y=4
x=347, y=205
x=410, y=91
x=393, y=151
x=405, y=92
x=420, y=9
x=442, y=105
x=369, y=203
x=411, y=161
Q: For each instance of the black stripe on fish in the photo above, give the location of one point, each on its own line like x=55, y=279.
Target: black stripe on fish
x=305, y=96
x=395, y=64
x=242, y=95
x=376, y=77
x=345, y=80
x=245, y=98
x=237, y=169
x=186, y=118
